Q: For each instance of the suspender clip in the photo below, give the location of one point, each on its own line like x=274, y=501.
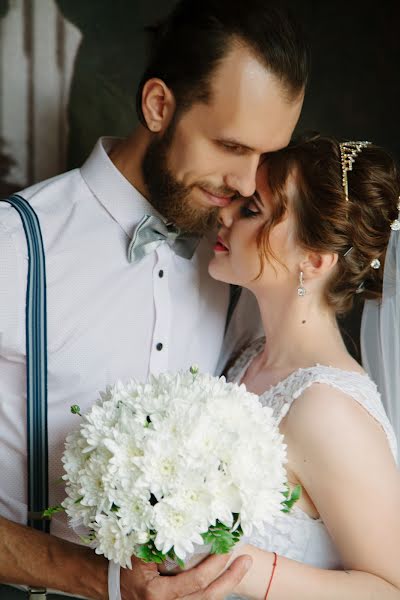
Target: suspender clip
x=37, y=593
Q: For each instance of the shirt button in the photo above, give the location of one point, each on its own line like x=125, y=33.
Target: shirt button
x=161, y=273
x=159, y=346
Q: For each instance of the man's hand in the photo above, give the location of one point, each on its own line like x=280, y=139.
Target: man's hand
x=207, y=581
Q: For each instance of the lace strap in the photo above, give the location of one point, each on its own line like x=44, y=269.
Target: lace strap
x=356, y=385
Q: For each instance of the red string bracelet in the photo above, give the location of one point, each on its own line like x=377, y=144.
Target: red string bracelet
x=272, y=574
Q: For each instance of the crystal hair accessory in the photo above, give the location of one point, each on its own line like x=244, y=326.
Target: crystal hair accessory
x=375, y=263
x=348, y=153
x=395, y=225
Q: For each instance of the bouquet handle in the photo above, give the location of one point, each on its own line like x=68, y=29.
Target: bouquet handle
x=114, y=577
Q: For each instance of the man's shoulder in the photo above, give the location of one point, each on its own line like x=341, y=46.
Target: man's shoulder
x=46, y=197
x=54, y=188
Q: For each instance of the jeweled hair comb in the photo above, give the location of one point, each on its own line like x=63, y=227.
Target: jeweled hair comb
x=349, y=152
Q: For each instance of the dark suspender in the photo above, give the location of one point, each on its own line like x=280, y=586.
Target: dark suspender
x=36, y=366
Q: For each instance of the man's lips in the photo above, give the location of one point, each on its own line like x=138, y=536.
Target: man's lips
x=220, y=246
x=216, y=200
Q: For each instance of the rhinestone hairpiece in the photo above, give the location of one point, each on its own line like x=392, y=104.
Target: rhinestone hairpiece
x=375, y=263
x=348, y=153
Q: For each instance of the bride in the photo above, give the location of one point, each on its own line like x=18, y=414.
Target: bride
x=312, y=239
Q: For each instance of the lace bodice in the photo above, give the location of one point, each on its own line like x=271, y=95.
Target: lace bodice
x=296, y=535
x=280, y=396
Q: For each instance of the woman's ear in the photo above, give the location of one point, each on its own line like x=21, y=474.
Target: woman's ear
x=316, y=265
x=158, y=105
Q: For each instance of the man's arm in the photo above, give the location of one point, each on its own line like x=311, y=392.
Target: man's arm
x=29, y=557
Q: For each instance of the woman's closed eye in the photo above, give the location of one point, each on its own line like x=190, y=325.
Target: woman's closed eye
x=249, y=209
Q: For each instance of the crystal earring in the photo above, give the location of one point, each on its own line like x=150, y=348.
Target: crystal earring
x=301, y=290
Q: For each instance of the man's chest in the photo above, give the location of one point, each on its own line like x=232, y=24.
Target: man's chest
x=124, y=321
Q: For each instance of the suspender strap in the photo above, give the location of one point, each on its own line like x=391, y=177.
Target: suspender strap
x=36, y=366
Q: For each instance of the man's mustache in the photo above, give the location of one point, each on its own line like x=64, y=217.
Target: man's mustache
x=221, y=191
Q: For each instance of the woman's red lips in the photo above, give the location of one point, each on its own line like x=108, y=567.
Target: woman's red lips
x=220, y=246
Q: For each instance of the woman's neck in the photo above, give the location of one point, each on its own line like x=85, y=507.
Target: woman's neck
x=300, y=332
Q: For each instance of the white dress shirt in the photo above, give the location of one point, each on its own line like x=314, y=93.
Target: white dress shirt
x=108, y=319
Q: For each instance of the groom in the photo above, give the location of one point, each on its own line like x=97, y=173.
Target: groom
x=224, y=85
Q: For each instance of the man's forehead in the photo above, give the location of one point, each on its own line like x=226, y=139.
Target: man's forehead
x=259, y=127
x=249, y=104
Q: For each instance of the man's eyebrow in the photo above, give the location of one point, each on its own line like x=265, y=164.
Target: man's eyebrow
x=236, y=143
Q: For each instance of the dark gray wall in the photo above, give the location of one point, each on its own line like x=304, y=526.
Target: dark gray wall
x=354, y=89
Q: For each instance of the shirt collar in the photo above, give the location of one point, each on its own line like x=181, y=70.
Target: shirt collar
x=122, y=201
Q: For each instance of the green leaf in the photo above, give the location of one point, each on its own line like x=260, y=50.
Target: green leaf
x=75, y=409
x=180, y=562
x=149, y=553
x=221, y=538
x=52, y=510
x=291, y=498
x=88, y=539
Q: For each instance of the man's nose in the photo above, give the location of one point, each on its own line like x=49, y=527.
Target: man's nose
x=243, y=178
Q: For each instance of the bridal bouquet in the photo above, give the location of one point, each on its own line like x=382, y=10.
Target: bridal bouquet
x=161, y=469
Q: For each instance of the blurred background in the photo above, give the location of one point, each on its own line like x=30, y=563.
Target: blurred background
x=69, y=70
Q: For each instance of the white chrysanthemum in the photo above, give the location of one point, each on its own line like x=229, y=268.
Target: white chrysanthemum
x=163, y=466
x=167, y=459
x=80, y=515
x=74, y=458
x=124, y=449
x=177, y=526
x=135, y=513
x=92, y=489
x=225, y=498
x=113, y=541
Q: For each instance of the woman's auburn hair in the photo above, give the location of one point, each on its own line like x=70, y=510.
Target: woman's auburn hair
x=326, y=222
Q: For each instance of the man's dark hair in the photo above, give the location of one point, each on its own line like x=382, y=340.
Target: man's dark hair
x=192, y=41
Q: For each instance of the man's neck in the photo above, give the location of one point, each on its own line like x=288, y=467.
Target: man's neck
x=127, y=156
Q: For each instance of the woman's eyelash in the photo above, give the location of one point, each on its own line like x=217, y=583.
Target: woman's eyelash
x=245, y=211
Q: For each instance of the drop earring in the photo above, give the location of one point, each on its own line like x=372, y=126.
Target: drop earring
x=301, y=290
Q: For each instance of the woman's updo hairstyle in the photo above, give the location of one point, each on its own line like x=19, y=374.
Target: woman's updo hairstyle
x=357, y=230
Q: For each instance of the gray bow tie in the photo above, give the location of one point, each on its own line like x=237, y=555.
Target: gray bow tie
x=152, y=231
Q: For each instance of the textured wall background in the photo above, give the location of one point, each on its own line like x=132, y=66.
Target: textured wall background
x=37, y=52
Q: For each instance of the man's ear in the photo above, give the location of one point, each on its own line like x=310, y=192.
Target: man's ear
x=158, y=105
x=316, y=265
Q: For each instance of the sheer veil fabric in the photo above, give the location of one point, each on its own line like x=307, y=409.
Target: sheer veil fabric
x=380, y=337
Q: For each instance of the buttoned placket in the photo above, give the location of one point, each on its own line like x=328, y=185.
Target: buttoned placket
x=162, y=303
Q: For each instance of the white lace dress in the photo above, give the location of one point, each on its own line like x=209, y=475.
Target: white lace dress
x=296, y=535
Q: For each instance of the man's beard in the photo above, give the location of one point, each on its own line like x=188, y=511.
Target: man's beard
x=170, y=197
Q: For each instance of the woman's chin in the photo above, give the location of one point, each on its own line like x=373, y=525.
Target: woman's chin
x=217, y=271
